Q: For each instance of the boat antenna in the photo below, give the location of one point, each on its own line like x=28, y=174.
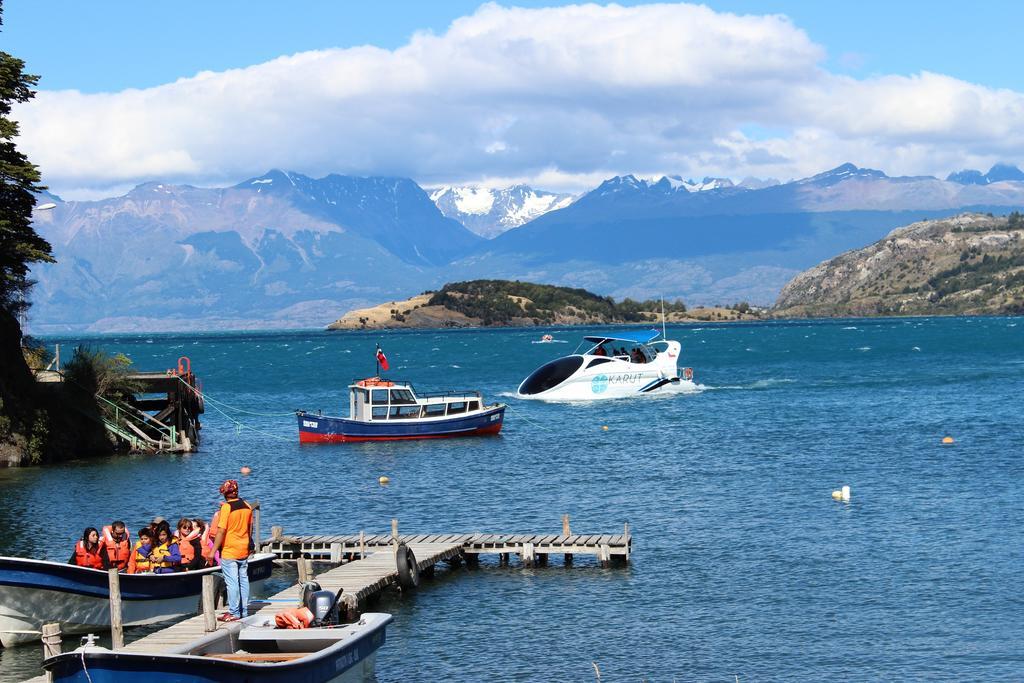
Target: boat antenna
x=663, y=335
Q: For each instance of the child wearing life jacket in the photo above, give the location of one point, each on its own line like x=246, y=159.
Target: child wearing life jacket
x=139, y=560
x=88, y=551
x=166, y=554
x=117, y=545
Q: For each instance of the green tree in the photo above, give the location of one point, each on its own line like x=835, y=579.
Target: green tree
x=20, y=245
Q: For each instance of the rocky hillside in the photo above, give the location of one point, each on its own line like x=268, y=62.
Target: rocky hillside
x=968, y=264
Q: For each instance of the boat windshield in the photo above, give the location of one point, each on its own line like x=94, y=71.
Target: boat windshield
x=550, y=375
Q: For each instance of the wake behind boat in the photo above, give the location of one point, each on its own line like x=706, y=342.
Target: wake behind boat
x=34, y=592
x=386, y=410
x=611, y=366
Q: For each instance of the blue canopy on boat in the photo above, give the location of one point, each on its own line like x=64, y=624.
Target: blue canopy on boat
x=643, y=337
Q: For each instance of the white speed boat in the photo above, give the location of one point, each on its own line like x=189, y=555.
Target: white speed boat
x=610, y=366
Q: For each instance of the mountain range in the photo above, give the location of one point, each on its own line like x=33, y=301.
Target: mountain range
x=287, y=250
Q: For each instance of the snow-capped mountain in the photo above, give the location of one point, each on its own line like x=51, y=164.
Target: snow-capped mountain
x=490, y=212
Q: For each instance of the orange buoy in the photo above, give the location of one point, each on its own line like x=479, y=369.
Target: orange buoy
x=947, y=440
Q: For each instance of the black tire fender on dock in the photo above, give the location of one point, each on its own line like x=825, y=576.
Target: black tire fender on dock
x=408, y=574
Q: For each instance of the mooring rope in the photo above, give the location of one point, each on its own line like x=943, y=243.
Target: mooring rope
x=534, y=423
x=206, y=397
x=239, y=426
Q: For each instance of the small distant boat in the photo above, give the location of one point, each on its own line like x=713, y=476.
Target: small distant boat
x=35, y=592
x=548, y=339
x=386, y=410
x=610, y=366
x=250, y=650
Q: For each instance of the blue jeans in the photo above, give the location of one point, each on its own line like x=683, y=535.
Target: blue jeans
x=236, y=576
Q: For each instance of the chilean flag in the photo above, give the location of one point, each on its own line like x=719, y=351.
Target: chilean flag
x=382, y=359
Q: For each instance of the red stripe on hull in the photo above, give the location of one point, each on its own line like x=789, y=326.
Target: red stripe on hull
x=309, y=437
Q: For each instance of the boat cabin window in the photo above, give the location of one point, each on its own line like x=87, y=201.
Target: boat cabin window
x=433, y=410
x=380, y=412
x=473, y=405
x=379, y=396
x=402, y=396
x=454, y=408
x=598, y=361
x=404, y=412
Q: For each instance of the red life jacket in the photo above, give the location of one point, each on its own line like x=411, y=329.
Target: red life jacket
x=118, y=552
x=86, y=558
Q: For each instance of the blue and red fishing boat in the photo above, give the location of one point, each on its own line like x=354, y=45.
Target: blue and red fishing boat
x=386, y=410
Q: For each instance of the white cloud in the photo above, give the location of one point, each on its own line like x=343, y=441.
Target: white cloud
x=548, y=96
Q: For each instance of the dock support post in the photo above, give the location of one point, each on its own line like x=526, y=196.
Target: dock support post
x=303, y=568
x=209, y=603
x=351, y=606
x=116, y=627
x=625, y=532
x=336, y=552
x=394, y=534
x=51, y=643
x=605, y=555
x=256, y=524
x=567, y=532
x=275, y=533
x=362, y=544
x=527, y=555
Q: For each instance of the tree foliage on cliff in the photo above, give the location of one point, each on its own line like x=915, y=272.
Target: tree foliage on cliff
x=20, y=245
x=495, y=302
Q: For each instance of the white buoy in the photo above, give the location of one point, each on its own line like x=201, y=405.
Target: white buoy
x=384, y=481
x=846, y=494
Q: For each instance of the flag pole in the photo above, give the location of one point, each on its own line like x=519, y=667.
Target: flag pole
x=376, y=357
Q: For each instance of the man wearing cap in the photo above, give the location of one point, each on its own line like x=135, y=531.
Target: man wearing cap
x=234, y=535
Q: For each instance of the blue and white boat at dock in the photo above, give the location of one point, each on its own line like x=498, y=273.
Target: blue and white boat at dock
x=36, y=592
x=611, y=366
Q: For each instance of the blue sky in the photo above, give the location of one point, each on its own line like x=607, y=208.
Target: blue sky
x=561, y=97
x=115, y=44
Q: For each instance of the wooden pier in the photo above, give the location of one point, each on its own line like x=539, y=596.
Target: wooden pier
x=367, y=567
x=162, y=417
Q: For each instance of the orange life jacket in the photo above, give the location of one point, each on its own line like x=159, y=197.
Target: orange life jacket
x=118, y=552
x=295, y=617
x=87, y=558
x=188, y=553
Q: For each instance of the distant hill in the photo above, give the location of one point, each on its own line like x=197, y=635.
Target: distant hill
x=967, y=264
x=489, y=303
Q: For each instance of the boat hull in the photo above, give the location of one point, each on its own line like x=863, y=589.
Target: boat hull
x=34, y=592
x=348, y=660
x=327, y=429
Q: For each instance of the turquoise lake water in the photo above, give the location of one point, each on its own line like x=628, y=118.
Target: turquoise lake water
x=743, y=565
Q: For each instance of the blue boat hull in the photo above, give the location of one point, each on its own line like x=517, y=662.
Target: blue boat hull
x=351, y=660
x=326, y=429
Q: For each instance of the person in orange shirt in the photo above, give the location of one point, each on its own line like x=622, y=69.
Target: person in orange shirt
x=234, y=541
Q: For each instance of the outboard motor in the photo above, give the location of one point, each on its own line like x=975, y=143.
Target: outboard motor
x=307, y=588
x=324, y=606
